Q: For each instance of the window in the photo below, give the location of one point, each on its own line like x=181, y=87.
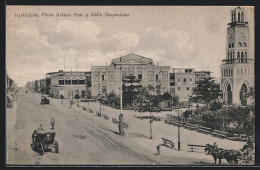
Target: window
x=231, y=72
x=157, y=77
x=187, y=88
x=81, y=82
x=172, y=83
x=232, y=45
x=239, y=17
x=61, y=82
x=244, y=44
x=245, y=72
x=140, y=76
x=239, y=44
x=68, y=82
x=242, y=17
x=184, y=80
x=190, y=80
x=238, y=56
x=238, y=72
x=102, y=77
x=222, y=73
x=229, y=45
x=75, y=82
x=104, y=89
x=179, y=88
x=179, y=80
x=241, y=72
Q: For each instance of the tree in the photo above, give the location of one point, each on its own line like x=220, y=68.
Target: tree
x=130, y=87
x=206, y=90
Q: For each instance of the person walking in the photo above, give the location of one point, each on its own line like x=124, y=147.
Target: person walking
x=40, y=127
x=52, y=123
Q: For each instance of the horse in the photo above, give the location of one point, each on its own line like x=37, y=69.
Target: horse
x=232, y=156
x=217, y=153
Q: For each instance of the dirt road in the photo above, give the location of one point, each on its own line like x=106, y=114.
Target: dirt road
x=84, y=138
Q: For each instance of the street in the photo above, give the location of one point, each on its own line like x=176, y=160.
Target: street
x=86, y=139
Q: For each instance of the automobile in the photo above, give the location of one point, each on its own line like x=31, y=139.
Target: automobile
x=43, y=141
x=45, y=100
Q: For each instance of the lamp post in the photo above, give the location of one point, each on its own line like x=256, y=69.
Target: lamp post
x=151, y=121
x=179, y=143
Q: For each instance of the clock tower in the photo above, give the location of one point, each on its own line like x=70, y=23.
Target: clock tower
x=237, y=70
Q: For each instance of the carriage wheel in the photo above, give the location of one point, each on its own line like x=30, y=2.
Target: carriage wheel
x=56, y=144
x=33, y=146
x=41, y=149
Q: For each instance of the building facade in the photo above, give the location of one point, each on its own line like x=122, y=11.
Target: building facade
x=237, y=70
x=184, y=83
x=68, y=83
x=106, y=79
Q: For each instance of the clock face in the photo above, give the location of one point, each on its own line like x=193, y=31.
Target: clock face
x=242, y=36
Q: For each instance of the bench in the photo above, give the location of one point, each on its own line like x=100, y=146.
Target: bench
x=192, y=147
x=167, y=143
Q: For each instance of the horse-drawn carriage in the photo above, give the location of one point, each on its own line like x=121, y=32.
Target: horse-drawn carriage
x=45, y=100
x=44, y=141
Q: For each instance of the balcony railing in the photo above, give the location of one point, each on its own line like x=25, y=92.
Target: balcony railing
x=232, y=61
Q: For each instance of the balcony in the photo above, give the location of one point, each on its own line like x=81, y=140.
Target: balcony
x=235, y=61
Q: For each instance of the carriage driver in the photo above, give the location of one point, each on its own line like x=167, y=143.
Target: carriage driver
x=215, y=146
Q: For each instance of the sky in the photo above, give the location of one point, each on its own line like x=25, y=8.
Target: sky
x=176, y=36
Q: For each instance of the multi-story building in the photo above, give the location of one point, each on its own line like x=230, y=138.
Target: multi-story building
x=67, y=83
x=184, y=83
x=106, y=79
x=237, y=70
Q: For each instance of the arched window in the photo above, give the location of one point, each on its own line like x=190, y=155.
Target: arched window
x=229, y=45
x=242, y=17
x=239, y=17
x=229, y=73
x=232, y=72
x=238, y=56
x=232, y=18
x=238, y=72
x=232, y=45
x=239, y=44
x=246, y=56
x=244, y=44
x=242, y=57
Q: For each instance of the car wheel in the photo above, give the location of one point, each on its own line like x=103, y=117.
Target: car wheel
x=56, y=144
x=41, y=149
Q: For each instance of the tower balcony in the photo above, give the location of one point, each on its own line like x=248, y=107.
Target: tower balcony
x=236, y=61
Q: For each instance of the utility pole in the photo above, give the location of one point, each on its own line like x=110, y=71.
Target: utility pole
x=151, y=121
x=179, y=143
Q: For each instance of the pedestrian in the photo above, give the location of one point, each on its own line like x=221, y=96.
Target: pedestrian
x=52, y=123
x=71, y=102
x=40, y=127
x=61, y=97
